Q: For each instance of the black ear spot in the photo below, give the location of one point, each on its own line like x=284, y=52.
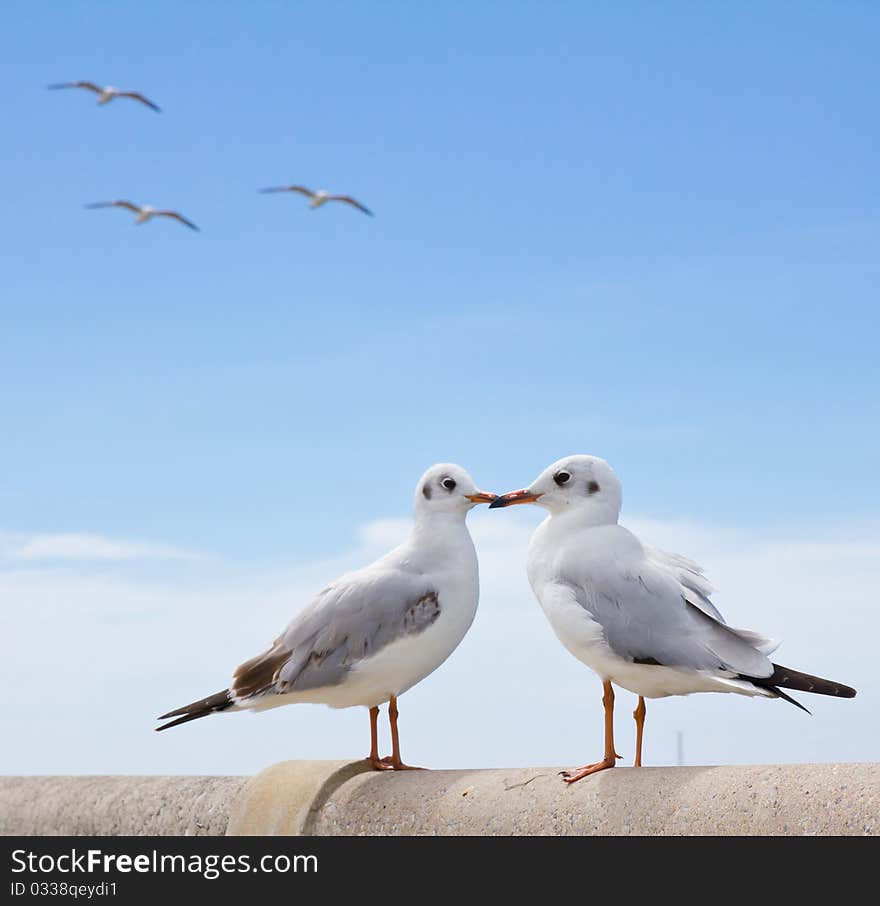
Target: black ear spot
x=592, y=487
x=426, y=490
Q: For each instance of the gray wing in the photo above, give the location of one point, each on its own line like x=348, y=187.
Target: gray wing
x=137, y=96
x=301, y=189
x=175, y=216
x=690, y=575
x=115, y=204
x=647, y=616
x=696, y=589
x=347, y=199
x=90, y=85
x=350, y=620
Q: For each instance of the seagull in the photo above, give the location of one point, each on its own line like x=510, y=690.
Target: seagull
x=105, y=95
x=637, y=616
x=374, y=633
x=144, y=212
x=320, y=197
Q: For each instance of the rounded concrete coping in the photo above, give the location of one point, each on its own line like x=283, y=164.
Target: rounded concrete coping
x=339, y=798
x=117, y=806
x=286, y=798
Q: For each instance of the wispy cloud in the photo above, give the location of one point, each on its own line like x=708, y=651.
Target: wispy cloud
x=83, y=546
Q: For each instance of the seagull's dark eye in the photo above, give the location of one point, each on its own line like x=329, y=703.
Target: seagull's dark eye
x=448, y=483
x=562, y=477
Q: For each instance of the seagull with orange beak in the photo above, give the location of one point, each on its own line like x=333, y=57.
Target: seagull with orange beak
x=374, y=633
x=637, y=616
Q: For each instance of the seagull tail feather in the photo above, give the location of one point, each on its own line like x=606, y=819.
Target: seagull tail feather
x=220, y=701
x=786, y=678
x=805, y=682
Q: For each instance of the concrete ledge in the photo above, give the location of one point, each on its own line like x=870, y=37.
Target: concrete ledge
x=336, y=798
x=117, y=806
x=286, y=799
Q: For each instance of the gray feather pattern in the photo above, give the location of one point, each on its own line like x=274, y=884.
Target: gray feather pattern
x=690, y=575
x=352, y=619
x=649, y=614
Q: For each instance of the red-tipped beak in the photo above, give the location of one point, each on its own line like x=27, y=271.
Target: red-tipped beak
x=482, y=497
x=513, y=498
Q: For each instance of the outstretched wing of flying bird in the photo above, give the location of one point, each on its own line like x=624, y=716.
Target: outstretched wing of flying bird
x=91, y=86
x=175, y=216
x=347, y=199
x=116, y=204
x=137, y=96
x=301, y=189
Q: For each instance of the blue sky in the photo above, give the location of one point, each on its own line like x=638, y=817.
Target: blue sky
x=645, y=231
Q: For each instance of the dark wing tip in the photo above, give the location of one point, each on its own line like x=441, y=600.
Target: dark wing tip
x=220, y=701
x=180, y=720
x=806, y=682
x=789, y=699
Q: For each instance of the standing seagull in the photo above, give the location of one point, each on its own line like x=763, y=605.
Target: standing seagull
x=144, y=212
x=374, y=633
x=105, y=95
x=637, y=616
x=320, y=197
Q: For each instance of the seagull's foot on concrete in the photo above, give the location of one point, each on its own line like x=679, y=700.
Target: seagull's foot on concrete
x=576, y=774
x=390, y=764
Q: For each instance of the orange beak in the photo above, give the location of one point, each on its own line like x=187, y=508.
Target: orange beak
x=482, y=497
x=513, y=498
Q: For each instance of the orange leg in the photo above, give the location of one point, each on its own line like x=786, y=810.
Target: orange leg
x=395, y=763
x=610, y=755
x=639, y=715
x=375, y=761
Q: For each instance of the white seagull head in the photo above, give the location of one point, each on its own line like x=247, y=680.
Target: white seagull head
x=575, y=484
x=447, y=489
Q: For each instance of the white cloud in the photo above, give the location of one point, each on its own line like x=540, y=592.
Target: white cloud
x=83, y=546
x=91, y=655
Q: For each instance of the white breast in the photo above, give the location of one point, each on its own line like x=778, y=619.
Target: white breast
x=402, y=664
x=575, y=628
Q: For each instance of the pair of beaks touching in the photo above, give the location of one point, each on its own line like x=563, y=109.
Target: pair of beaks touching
x=639, y=617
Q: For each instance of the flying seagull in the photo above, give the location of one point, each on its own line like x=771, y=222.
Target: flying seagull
x=637, y=616
x=320, y=197
x=105, y=95
x=144, y=212
x=374, y=633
